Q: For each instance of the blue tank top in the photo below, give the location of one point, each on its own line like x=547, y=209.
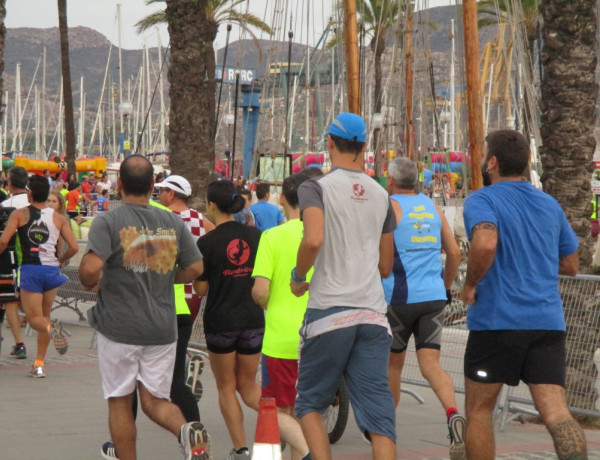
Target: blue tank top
x=417, y=273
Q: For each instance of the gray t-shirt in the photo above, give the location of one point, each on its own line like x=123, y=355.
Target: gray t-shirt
x=357, y=211
x=140, y=246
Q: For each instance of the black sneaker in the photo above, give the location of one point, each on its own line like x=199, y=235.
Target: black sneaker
x=108, y=451
x=19, y=352
x=456, y=427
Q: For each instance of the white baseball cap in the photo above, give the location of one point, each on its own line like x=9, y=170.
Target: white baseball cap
x=177, y=183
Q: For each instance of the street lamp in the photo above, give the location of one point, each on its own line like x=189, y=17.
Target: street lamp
x=125, y=109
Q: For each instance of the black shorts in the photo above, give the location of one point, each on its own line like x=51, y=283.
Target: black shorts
x=242, y=341
x=507, y=356
x=423, y=319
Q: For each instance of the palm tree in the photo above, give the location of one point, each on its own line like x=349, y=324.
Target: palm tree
x=67, y=91
x=2, y=39
x=568, y=104
x=193, y=27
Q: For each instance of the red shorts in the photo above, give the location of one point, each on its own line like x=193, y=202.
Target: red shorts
x=279, y=378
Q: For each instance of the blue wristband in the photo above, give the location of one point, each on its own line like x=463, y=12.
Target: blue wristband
x=295, y=277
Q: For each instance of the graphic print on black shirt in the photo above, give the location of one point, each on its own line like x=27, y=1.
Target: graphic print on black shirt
x=229, y=252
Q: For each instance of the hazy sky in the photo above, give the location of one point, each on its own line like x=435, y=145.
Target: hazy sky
x=101, y=15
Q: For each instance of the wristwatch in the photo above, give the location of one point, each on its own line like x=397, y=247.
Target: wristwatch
x=295, y=277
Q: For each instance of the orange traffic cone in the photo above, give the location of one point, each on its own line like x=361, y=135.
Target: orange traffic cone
x=266, y=439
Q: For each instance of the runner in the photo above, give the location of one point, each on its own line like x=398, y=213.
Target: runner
x=39, y=228
x=233, y=323
x=284, y=313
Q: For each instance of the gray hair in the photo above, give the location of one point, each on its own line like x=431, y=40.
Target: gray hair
x=404, y=172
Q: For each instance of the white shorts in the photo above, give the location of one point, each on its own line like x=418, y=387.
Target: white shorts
x=122, y=365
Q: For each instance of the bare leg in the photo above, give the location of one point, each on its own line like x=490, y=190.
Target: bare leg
x=37, y=308
x=291, y=432
x=12, y=317
x=122, y=426
x=439, y=380
x=480, y=400
x=383, y=447
x=245, y=376
x=568, y=437
x=161, y=411
x=395, y=374
x=315, y=434
x=223, y=367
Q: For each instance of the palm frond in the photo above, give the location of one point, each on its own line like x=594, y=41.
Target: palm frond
x=153, y=19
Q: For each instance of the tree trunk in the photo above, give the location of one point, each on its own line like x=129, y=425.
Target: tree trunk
x=2, y=39
x=67, y=91
x=569, y=93
x=378, y=47
x=192, y=92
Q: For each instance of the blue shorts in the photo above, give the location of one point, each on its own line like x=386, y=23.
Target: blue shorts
x=360, y=354
x=40, y=278
x=242, y=341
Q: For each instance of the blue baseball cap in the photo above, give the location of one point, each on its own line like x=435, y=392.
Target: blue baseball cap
x=349, y=126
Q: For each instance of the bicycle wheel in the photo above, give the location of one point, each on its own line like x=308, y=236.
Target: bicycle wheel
x=336, y=416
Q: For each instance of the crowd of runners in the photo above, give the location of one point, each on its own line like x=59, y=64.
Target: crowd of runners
x=330, y=284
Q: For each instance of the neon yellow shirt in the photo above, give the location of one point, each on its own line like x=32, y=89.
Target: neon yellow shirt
x=275, y=259
x=181, y=306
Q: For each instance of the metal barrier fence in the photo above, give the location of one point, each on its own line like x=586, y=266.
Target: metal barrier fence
x=581, y=299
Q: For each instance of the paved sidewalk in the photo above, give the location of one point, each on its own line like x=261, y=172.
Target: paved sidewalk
x=64, y=416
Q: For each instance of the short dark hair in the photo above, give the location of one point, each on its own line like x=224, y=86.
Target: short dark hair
x=511, y=150
x=225, y=195
x=137, y=175
x=346, y=145
x=39, y=187
x=262, y=189
x=290, y=188
x=17, y=175
x=312, y=171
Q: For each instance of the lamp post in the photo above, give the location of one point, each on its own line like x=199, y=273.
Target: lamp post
x=125, y=109
x=229, y=120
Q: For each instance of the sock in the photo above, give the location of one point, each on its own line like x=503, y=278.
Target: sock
x=241, y=450
x=38, y=362
x=449, y=412
x=19, y=345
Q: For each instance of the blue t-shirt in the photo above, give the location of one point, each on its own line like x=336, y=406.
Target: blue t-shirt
x=520, y=289
x=266, y=215
x=417, y=273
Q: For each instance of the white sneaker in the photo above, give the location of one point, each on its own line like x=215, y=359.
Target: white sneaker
x=195, y=442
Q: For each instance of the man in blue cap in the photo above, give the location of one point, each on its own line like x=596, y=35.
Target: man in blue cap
x=348, y=237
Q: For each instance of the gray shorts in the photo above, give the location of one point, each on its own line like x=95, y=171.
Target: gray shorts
x=423, y=319
x=360, y=354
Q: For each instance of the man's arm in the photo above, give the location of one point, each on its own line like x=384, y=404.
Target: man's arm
x=314, y=229
x=569, y=265
x=190, y=273
x=90, y=270
x=68, y=236
x=482, y=252
x=451, y=249
x=260, y=291
x=386, y=254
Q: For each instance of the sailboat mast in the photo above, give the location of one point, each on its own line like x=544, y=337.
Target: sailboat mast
x=43, y=107
x=352, y=67
x=474, y=100
x=162, y=97
x=452, y=92
x=410, y=150
x=120, y=60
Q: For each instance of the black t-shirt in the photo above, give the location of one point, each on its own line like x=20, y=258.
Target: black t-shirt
x=229, y=252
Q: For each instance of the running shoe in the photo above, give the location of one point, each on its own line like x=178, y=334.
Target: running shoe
x=195, y=442
x=456, y=427
x=234, y=455
x=19, y=352
x=108, y=451
x=194, y=369
x=37, y=372
x=57, y=334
